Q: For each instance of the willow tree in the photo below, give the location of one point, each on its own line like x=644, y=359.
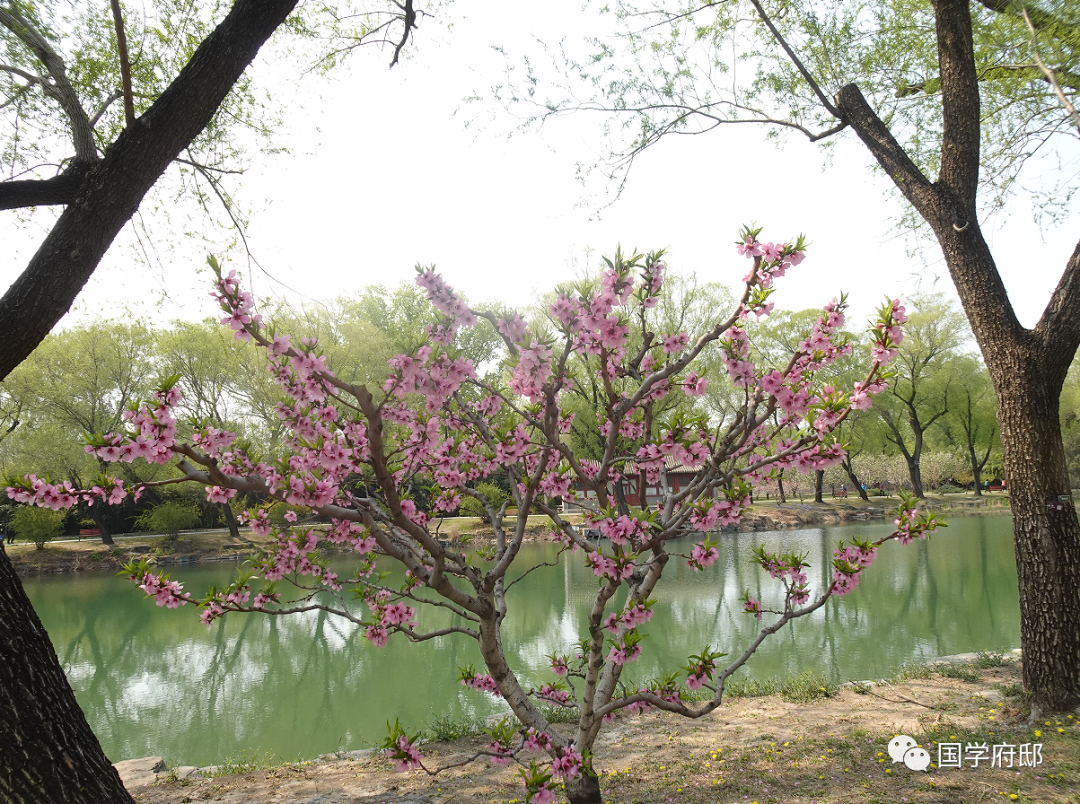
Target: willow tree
x=64, y=143
x=952, y=98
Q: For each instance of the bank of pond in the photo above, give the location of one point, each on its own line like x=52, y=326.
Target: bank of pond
x=155, y=681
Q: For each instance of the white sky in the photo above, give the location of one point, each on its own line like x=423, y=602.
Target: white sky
x=386, y=176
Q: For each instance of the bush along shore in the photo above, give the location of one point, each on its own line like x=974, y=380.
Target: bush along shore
x=802, y=739
x=88, y=553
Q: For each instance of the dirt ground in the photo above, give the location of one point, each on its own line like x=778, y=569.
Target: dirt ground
x=753, y=749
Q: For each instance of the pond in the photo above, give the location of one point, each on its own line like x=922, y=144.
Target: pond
x=154, y=681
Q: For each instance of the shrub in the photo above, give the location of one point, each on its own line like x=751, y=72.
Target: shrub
x=470, y=506
x=38, y=525
x=168, y=518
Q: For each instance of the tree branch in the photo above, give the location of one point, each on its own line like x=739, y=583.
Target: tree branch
x=1050, y=75
x=409, y=20
x=961, y=113
x=82, y=134
x=125, y=64
x=886, y=150
x=113, y=188
x=59, y=190
x=822, y=97
x=30, y=78
x=105, y=104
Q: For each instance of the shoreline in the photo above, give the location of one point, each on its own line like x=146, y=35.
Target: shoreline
x=196, y=547
x=796, y=747
x=135, y=768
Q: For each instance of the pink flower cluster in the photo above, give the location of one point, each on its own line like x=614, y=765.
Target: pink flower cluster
x=482, y=682
x=569, y=764
x=165, y=592
x=848, y=564
x=703, y=555
x=408, y=756
x=629, y=618
x=752, y=606
x=32, y=490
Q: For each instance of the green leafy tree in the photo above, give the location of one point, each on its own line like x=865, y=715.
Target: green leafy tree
x=37, y=525
x=951, y=98
x=972, y=419
x=79, y=381
x=488, y=498
x=923, y=385
x=169, y=518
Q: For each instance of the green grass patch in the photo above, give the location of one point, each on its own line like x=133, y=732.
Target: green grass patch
x=445, y=729
x=809, y=685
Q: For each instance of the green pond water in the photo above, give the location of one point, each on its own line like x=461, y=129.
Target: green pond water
x=155, y=681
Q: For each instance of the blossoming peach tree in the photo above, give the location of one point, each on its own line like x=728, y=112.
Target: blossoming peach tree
x=351, y=452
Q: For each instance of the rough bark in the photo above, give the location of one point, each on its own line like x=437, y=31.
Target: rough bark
x=50, y=753
x=1027, y=367
x=58, y=190
x=113, y=188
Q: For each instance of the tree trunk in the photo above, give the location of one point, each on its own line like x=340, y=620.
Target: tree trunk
x=231, y=523
x=50, y=754
x=819, y=483
x=859, y=487
x=584, y=789
x=1046, y=536
x=976, y=470
x=915, y=474
x=1027, y=366
x=780, y=486
x=97, y=513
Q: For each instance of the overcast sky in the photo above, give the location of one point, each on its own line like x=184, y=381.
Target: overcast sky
x=387, y=174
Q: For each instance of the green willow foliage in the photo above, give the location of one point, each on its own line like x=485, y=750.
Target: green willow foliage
x=685, y=66
x=61, y=95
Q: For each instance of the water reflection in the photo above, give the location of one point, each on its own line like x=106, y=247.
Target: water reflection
x=155, y=681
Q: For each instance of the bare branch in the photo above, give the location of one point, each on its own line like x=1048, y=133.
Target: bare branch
x=822, y=97
x=409, y=20
x=30, y=78
x=56, y=191
x=125, y=64
x=112, y=97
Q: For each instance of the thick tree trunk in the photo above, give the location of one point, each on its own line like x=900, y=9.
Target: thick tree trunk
x=97, y=513
x=819, y=484
x=1045, y=533
x=1027, y=367
x=584, y=789
x=915, y=475
x=50, y=754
